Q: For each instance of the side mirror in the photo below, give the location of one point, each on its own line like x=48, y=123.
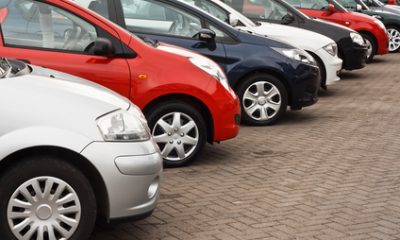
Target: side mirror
x=331, y=8
x=206, y=35
x=103, y=47
x=358, y=8
x=287, y=19
x=233, y=20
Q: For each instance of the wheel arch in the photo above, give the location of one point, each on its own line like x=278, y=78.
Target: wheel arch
x=203, y=109
x=69, y=156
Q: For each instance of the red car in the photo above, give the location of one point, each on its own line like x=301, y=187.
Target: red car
x=373, y=30
x=185, y=96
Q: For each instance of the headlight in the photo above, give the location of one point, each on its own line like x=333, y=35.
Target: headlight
x=298, y=55
x=331, y=49
x=356, y=38
x=211, y=68
x=127, y=126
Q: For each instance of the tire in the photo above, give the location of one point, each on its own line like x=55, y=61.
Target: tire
x=179, y=146
x=394, y=41
x=371, y=44
x=45, y=173
x=252, y=105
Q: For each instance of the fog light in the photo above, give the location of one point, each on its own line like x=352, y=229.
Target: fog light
x=153, y=188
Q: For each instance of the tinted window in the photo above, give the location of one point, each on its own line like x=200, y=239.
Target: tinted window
x=310, y=4
x=349, y=4
x=35, y=24
x=156, y=17
x=265, y=9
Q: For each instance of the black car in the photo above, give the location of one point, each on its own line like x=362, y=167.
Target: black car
x=351, y=50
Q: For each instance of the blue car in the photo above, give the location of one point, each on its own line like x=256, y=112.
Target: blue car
x=267, y=75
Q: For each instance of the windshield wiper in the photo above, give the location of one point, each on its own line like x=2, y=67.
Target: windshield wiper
x=154, y=43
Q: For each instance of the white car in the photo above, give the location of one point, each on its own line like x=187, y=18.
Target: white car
x=71, y=152
x=322, y=48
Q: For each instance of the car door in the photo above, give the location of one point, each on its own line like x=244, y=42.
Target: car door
x=165, y=22
x=319, y=9
x=52, y=37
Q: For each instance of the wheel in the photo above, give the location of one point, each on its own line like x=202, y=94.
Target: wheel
x=46, y=198
x=179, y=130
x=394, y=41
x=263, y=99
x=371, y=45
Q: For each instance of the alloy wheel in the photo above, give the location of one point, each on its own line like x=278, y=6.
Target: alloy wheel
x=261, y=100
x=394, y=41
x=177, y=135
x=44, y=208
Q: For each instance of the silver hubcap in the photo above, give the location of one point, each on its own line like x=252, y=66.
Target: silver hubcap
x=394, y=41
x=369, y=48
x=261, y=100
x=177, y=136
x=44, y=208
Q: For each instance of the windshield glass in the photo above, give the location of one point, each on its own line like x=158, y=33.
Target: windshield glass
x=13, y=68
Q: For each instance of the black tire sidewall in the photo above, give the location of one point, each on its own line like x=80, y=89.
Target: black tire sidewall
x=272, y=80
x=34, y=167
x=156, y=112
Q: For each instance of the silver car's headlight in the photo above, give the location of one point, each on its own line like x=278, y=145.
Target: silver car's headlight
x=298, y=55
x=122, y=125
x=356, y=38
x=211, y=68
x=331, y=49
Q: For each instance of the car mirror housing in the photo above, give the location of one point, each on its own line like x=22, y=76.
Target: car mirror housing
x=287, y=19
x=103, y=47
x=331, y=8
x=206, y=35
x=233, y=20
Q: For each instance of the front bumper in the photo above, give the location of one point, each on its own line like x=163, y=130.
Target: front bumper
x=333, y=64
x=131, y=173
x=304, y=86
x=383, y=42
x=226, y=114
x=354, y=56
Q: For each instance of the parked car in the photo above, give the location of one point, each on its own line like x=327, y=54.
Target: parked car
x=70, y=151
x=351, y=46
x=389, y=15
x=372, y=29
x=185, y=96
x=267, y=74
x=323, y=49
x=391, y=2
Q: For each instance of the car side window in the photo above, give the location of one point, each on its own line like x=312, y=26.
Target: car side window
x=98, y=6
x=149, y=16
x=36, y=24
x=313, y=4
x=349, y=4
x=211, y=8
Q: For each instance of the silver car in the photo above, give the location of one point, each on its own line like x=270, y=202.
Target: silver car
x=70, y=151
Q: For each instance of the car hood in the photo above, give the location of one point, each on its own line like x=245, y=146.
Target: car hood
x=301, y=38
x=71, y=85
x=333, y=24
